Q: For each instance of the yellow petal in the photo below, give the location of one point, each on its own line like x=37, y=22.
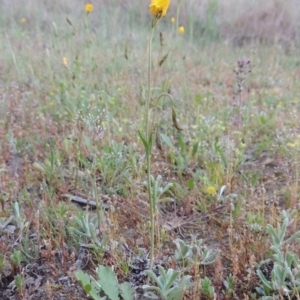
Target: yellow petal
x=89, y=7
x=159, y=7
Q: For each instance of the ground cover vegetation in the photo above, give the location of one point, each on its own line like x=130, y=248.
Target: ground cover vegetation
x=149, y=150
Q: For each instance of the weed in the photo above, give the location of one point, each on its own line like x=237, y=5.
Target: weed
x=169, y=284
x=16, y=259
x=207, y=288
x=284, y=278
x=20, y=284
x=189, y=254
x=105, y=284
x=88, y=233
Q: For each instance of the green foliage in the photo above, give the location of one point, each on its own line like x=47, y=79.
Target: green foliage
x=20, y=284
x=108, y=282
x=126, y=291
x=147, y=144
x=4, y=222
x=157, y=190
x=16, y=258
x=2, y=262
x=285, y=276
x=278, y=236
x=106, y=285
x=169, y=284
x=29, y=248
x=89, y=285
x=51, y=166
x=229, y=285
x=180, y=155
x=112, y=163
x=88, y=231
x=195, y=252
x=207, y=289
x=167, y=140
x=18, y=218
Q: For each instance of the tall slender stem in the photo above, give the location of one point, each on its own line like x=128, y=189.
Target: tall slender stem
x=152, y=210
x=148, y=153
x=149, y=86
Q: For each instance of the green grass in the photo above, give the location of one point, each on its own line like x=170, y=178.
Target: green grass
x=72, y=129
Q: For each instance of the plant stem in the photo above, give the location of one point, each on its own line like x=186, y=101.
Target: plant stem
x=148, y=153
x=149, y=86
x=96, y=196
x=152, y=210
x=177, y=20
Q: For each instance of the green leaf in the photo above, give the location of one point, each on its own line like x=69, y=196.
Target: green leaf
x=171, y=277
x=108, y=282
x=151, y=142
x=151, y=295
x=219, y=151
x=152, y=275
x=176, y=294
x=267, y=284
x=145, y=143
x=263, y=120
x=294, y=237
x=182, y=144
x=82, y=277
x=191, y=183
x=126, y=291
x=273, y=234
x=166, y=200
x=166, y=140
x=195, y=149
x=282, y=230
x=163, y=275
x=88, y=286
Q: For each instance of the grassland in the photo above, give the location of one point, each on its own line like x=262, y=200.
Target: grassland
x=72, y=99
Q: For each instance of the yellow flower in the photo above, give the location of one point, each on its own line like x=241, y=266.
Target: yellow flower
x=159, y=8
x=181, y=30
x=23, y=20
x=172, y=20
x=211, y=190
x=89, y=7
x=291, y=145
x=65, y=61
